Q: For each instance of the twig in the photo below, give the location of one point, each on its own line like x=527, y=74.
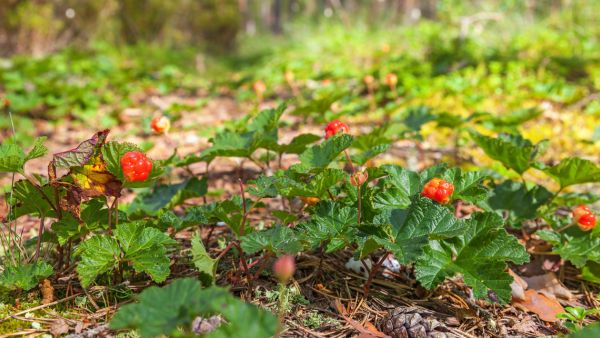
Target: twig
x=373, y=272
x=39, y=240
x=40, y=307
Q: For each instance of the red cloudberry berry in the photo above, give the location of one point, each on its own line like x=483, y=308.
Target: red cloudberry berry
x=136, y=166
x=334, y=127
x=160, y=124
x=438, y=190
x=584, y=217
x=284, y=268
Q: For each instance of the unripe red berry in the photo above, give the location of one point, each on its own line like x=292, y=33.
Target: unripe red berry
x=259, y=87
x=160, y=124
x=136, y=166
x=334, y=127
x=391, y=80
x=369, y=80
x=284, y=268
x=584, y=217
x=438, y=190
x=358, y=178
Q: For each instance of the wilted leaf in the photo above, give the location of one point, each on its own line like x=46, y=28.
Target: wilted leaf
x=83, y=153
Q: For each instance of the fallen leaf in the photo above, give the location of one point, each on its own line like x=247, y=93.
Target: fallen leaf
x=365, y=332
x=59, y=327
x=545, y=307
x=549, y=285
x=518, y=286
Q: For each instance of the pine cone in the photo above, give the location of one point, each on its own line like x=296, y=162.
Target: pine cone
x=412, y=322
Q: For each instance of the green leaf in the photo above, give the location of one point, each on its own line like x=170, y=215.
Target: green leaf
x=479, y=255
x=321, y=155
x=425, y=217
x=522, y=204
x=330, y=223
x=395, y=189
x=279, y=240
x=99, y=254
x=167, y=196
x=285, y=184
x=12, y=157
x=112, y=153
x=163, y=311
x=145, y=248
x=591, y=330
x=591, y=272
x=202, y=260
x=416, y=117
x=513, y=151
x=298, y=144
x=516, y=117
x=66, y=228
x=579, y=248
x=25, y=276
x=574, y=170
x=38, y=150
x=232, y=144
x=467, y=185
x=362, y=158
x=29, y=200
x=571, y=199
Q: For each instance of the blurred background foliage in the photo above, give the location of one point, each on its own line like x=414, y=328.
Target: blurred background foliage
x=38, y=27
x=89, y=60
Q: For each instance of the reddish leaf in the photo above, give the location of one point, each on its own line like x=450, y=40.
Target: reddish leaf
x=545, y=307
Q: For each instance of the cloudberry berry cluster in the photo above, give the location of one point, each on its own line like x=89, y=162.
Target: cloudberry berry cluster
x=136, y=166
x=160, y=124
x=438, y=190
x=584, y=217
x=334, y=127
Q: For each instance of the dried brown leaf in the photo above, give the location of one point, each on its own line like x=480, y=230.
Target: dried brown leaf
x=545, y=307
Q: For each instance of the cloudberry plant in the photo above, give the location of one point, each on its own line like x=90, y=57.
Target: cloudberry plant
x=136, y=166
x=438, y=190
x=334, y=127
x=584, y=217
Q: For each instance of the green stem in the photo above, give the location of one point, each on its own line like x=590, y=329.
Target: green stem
x=281, y=310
